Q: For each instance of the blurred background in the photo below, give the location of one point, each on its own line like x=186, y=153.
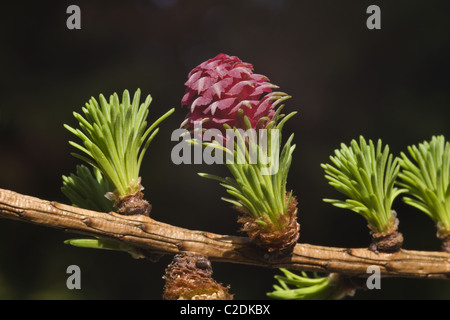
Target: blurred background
x=345, y=81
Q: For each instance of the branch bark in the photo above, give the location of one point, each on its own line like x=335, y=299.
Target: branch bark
x=153, y=236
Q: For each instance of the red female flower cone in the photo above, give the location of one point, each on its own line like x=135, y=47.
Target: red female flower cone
x=224, y=93
x=218, y=88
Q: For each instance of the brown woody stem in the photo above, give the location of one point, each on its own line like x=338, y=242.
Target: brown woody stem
x=150, y=235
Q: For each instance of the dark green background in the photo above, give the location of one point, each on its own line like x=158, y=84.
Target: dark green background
x=345, y=81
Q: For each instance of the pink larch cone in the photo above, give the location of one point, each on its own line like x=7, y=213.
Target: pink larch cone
x=218, y=88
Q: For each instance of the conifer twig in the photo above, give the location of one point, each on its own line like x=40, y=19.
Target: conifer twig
x=152, y=236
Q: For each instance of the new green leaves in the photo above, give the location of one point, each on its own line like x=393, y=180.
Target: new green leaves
x=115, y=137
x=87, y=190
x=258, y=183
x=302, y=287
x=366, y=175
x=426, y=175
x=259, y=170
x=105, y=244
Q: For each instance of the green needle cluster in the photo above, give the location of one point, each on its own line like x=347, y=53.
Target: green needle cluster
x=426, y=176
x=366, y=175
x=105, y=244
x=115, y=137
x=87, y=190
x=255, y=188
x=302, y=287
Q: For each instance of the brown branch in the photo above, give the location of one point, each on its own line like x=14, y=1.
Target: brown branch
x=153, y=236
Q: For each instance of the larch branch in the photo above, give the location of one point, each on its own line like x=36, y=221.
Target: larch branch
x=153, y=236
